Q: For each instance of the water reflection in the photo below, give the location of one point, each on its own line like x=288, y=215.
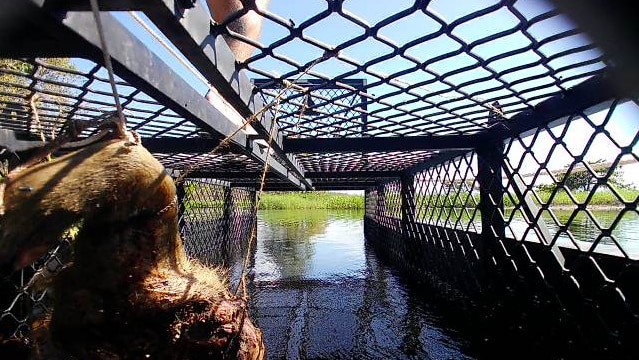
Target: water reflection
x=308, y=244
x=580, y=230
x=318, y=292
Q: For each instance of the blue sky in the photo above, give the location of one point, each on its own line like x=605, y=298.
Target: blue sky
x=336, y=29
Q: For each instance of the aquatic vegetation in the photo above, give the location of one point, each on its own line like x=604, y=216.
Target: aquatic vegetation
x=310, y=200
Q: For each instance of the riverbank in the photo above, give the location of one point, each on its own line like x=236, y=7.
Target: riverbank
x=599, y=199
x=604, y=200
x=310, y=200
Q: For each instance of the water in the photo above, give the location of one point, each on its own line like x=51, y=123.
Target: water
x=583, y=230
x=319, y=293
x=574, y=229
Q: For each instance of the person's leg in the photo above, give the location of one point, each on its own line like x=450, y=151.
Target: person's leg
x=249, y=25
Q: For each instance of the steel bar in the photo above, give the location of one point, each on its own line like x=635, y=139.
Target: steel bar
x=352, y=174
x=380, y=144
x=179, y=145
x=554, y=111
x=491, y=194
x=436, y=159
x=346, y=186
x=190, y=31
x=136, y=64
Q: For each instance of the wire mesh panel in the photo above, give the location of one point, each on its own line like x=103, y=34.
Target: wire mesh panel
x=573, y=176
x=243, y=218
x=313, y=109
x=447, y=195
x=430, y=67
x=206, y=208
x=387, y=208
x=25, y=293
x=39, y=96
x=434, y=234
x=240, y=230
x=573, y=217
x=216, y=223
x=540, y=238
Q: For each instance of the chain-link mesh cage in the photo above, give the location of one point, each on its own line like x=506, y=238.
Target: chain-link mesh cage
x=204, y=216
x=24, y=293
x=430, y=222
x=313, y=109
x=216, y=222
x=514, y=230
x=538, y=235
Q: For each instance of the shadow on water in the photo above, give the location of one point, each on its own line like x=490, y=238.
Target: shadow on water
x=318, y=292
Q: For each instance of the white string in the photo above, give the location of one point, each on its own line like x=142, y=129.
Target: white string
x=107, y=60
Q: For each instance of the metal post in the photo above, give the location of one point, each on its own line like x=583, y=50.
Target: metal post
x=180, y=192
x=367, y=194
x=408, y=206
x=229, y=240
x=254, y=205
x=491, y=193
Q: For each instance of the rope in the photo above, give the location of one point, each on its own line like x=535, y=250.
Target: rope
x=107, y=60
x=256, y=207
x=227, y=140
x=276, y=104
x=259, y=195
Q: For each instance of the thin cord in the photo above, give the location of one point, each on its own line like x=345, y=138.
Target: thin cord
x=253, y=238
x=257, y=205
x=249, y=120
x=107, y=60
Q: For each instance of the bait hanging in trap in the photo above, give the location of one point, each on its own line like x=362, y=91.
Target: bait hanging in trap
x=130, y=291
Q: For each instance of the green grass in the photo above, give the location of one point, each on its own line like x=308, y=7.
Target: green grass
x=337, y=201
x=446, y=201
x=561, y=198
x=603, y=198
x=310, y=200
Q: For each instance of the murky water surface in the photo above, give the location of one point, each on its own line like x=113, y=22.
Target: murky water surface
x=319, y=293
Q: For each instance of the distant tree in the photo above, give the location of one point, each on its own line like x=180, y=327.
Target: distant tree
x=546, y=187
x=578, y=180
x=583, y=179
